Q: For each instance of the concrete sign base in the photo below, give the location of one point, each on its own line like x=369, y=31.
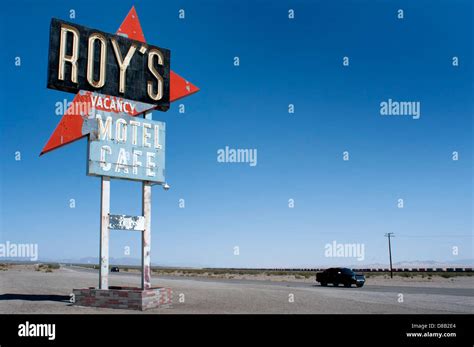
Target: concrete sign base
x=127, y=298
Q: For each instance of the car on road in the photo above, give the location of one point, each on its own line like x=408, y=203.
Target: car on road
x=340, y=275
x=114, y=269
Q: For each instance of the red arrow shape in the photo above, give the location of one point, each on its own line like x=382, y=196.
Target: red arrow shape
x=70, y=127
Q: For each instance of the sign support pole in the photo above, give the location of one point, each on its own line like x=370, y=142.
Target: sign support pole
x=146, y=234
x=104, y=233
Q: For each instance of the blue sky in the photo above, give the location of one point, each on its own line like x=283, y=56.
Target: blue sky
x=282, y=61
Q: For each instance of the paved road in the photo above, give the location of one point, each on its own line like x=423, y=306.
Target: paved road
x=469, y=292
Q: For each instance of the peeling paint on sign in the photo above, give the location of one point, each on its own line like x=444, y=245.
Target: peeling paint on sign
x=124, y=222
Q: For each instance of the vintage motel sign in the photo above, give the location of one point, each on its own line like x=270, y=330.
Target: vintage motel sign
x=116, y=78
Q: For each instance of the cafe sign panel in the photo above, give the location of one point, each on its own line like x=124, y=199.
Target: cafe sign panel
x=127, y=147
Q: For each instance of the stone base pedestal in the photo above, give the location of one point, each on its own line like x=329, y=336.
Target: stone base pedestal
x=124, y=297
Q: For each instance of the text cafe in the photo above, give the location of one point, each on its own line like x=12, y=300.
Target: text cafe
x=127, y=147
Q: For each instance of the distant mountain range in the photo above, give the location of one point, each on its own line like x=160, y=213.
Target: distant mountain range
x=420, y=264
x=136, y=262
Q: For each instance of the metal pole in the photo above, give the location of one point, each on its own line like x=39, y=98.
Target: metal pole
x=104, y=233
x=389, y=235
x=146, y=234
x=390, y=254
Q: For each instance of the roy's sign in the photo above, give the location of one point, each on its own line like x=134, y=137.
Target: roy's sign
x=73, y=124
x=126, y=147
x=81, y=58
x=116, y=79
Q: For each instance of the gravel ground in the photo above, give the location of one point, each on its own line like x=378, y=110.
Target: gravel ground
x=24, y=290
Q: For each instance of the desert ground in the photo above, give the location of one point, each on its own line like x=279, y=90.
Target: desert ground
x=31, y=289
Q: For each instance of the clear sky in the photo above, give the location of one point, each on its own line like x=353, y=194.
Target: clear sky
x=282, y=61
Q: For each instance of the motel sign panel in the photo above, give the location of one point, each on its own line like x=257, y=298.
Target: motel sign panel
x=127, y=147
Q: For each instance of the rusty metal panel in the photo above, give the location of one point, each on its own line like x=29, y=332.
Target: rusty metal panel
x=126, y=147
x=124, y=222
x=74, y=50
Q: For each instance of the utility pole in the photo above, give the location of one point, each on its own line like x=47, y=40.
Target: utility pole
x=389, y=235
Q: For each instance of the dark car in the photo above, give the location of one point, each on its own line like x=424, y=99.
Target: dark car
x=114, y=269
x=340, y=275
